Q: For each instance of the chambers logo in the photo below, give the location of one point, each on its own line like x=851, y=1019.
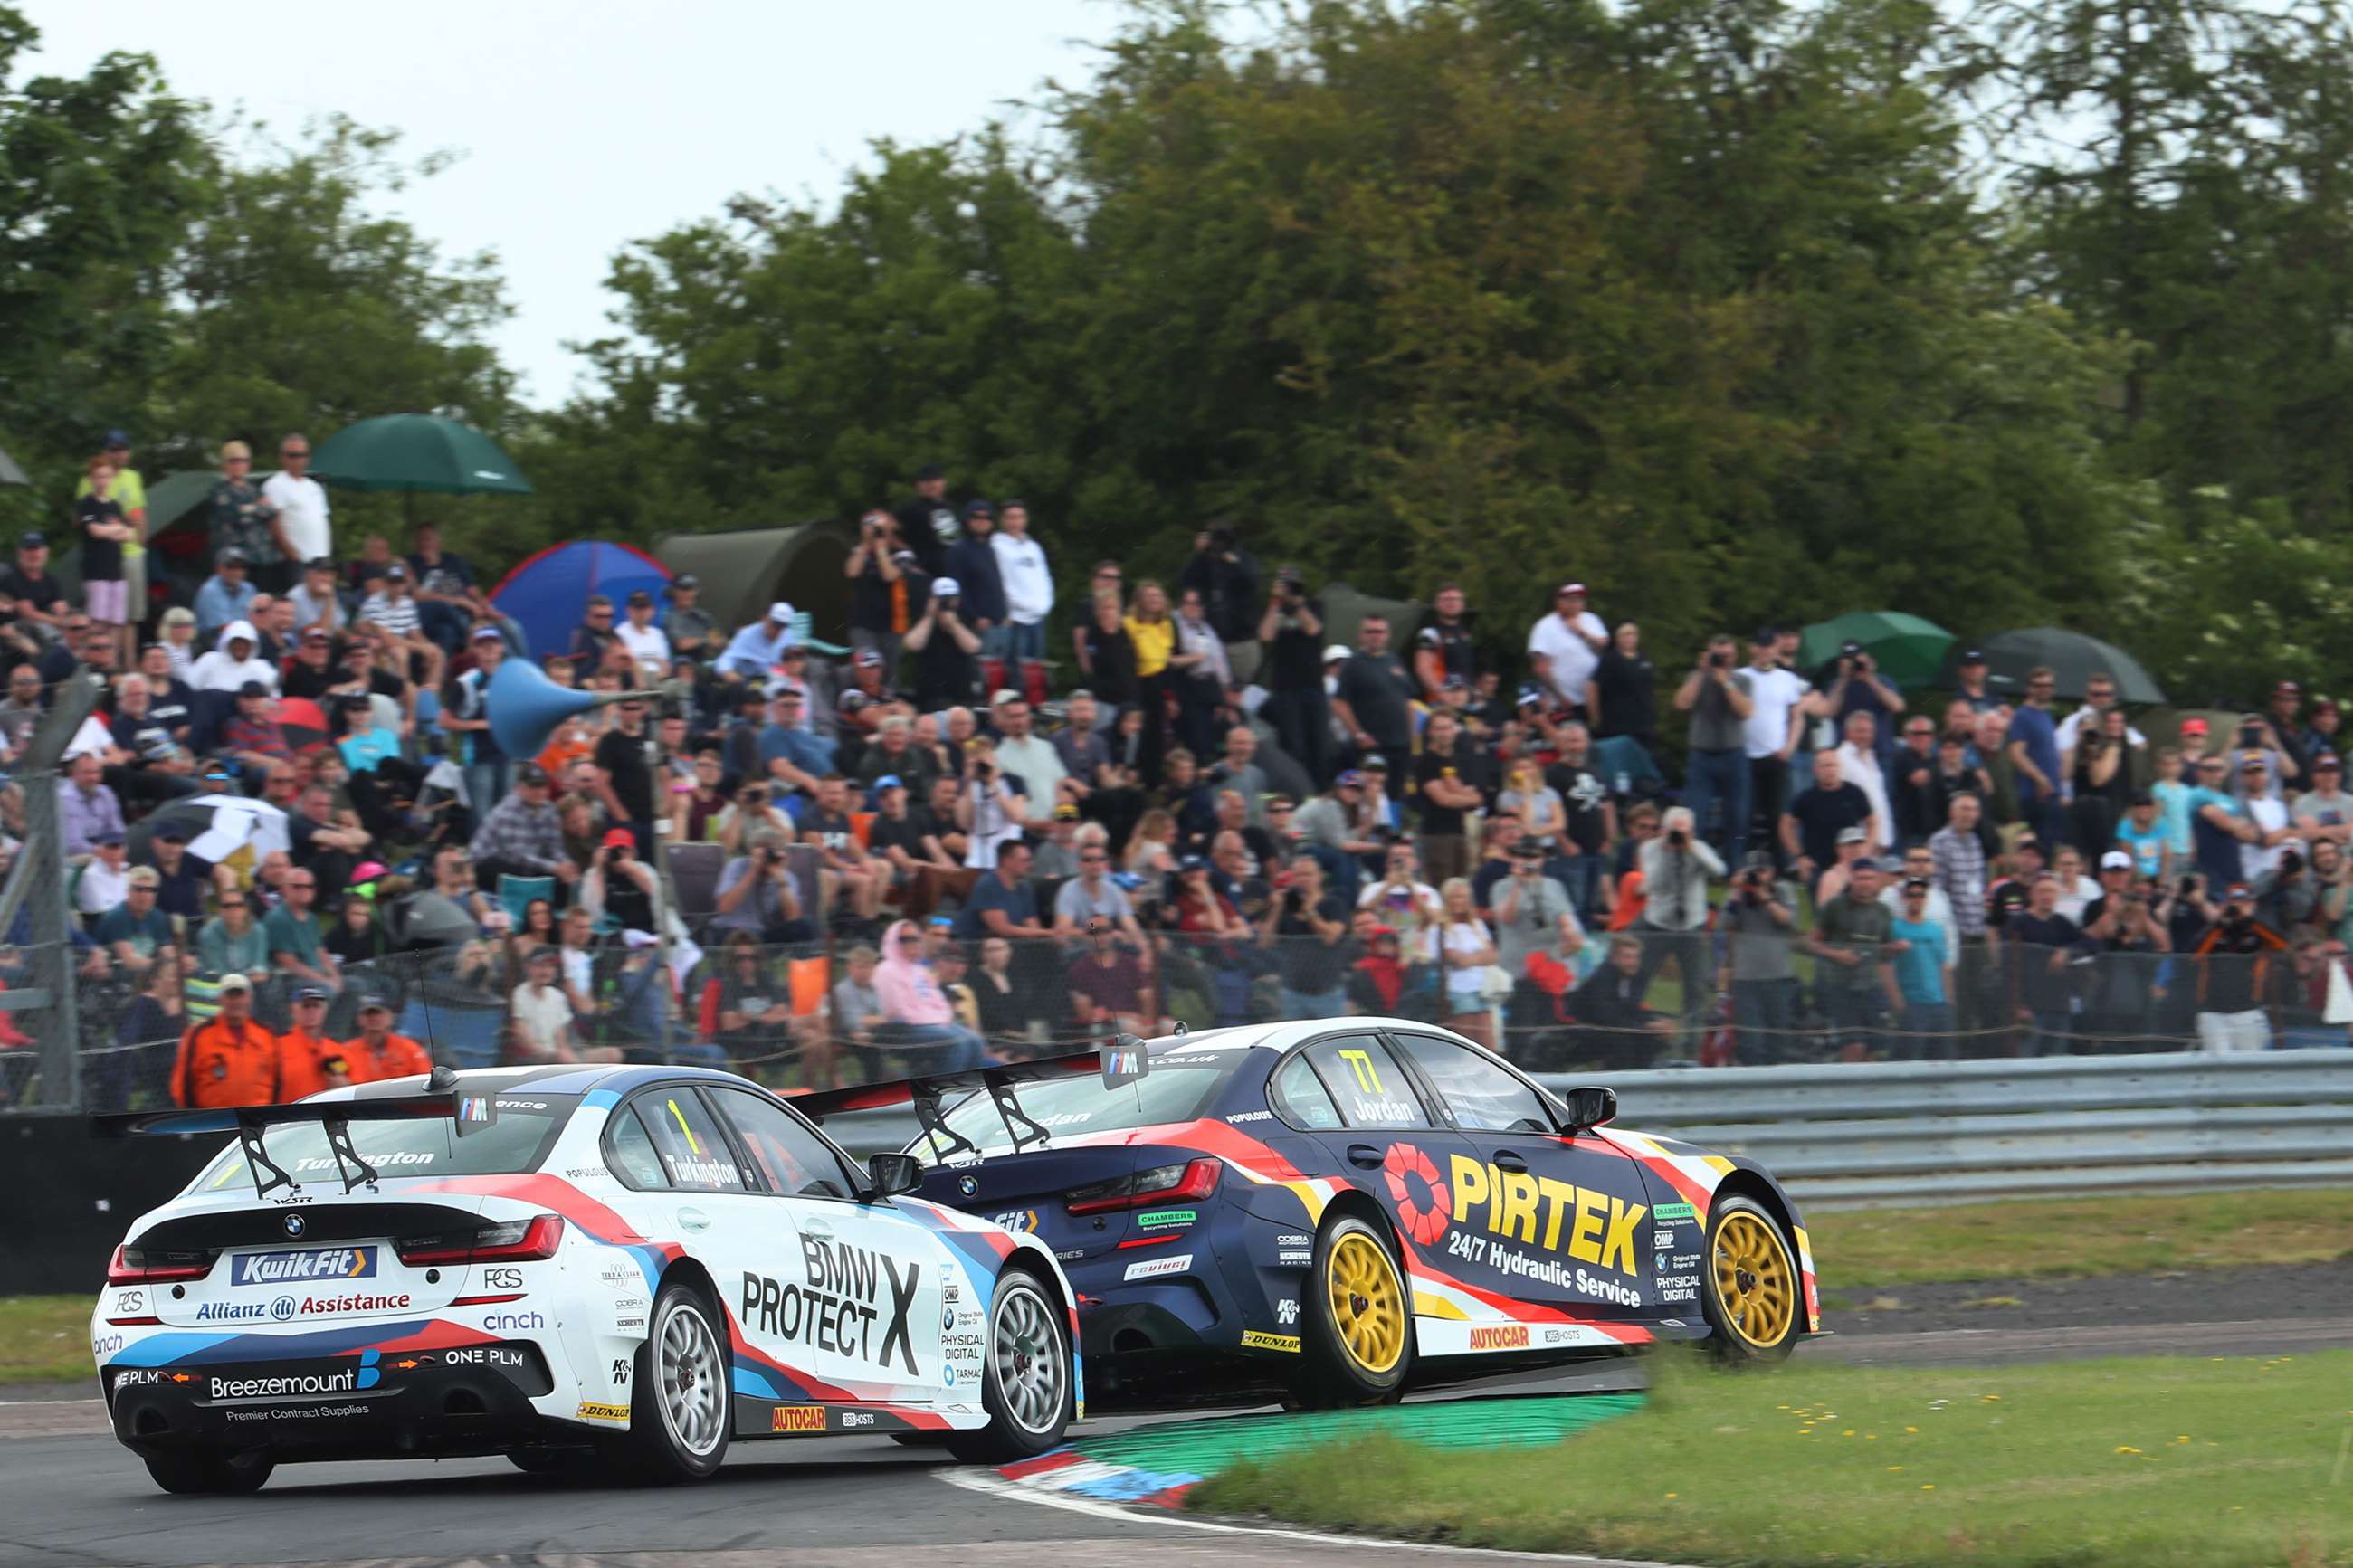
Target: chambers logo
x=294, y=1268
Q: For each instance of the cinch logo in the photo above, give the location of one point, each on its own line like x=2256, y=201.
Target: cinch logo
x=319, y=1263
x=498, y=1320
x=1514, y=1338
x=796, y=1418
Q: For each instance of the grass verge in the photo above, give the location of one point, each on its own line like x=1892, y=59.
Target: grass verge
x=45, y=1339
x=2080, y=1236
x=2158, y=1463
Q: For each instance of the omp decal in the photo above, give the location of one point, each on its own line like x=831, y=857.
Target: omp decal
x=796, y=1418
x=1252, y=1339
x=592, y=1411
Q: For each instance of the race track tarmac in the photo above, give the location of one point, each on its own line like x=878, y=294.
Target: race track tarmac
x=71, y=1497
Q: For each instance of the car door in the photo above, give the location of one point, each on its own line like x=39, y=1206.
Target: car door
x=1348, y=1093
x=1550, y=1218
x=669, y=1144
x=867, y=1286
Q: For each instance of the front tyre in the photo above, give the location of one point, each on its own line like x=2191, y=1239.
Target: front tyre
x=680, y=1412
x=1026, y=1385
x=1752, y=1288
x=1358, y=1343
x=203, y=1473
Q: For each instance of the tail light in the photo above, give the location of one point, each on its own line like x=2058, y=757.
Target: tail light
x=155, y=1266
x=1188, y=1182
x=510, y=1241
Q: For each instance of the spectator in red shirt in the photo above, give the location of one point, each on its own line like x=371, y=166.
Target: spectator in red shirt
x=1108, y=986
x=254, y=737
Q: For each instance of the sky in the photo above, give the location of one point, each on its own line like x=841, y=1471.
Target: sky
x=590, y=123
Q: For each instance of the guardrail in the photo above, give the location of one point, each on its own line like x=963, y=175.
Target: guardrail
x=1848, y=1136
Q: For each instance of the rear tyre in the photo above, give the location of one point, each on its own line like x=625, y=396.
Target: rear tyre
x=1027, y=1382
x=1358, y=1343
x=682, y=1410
x=1752, y=1290
x=206, y=1474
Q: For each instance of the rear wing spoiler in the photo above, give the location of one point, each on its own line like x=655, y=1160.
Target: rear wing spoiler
x=1124, y=1060
x=251, y=1124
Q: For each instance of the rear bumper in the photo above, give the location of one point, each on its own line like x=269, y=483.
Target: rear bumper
x=474, y=1399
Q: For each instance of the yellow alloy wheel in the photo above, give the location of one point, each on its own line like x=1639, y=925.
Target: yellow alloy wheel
x=1753, y=1279
x=1367, y=1302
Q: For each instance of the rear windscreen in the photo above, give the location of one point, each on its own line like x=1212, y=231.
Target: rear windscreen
x=427, y=1146
x=1174, y=1091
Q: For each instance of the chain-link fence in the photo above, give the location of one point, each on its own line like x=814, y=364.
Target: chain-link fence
x=819, y=1014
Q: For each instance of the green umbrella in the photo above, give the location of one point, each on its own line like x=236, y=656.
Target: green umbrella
x=417, y=452
x=1907, y=649
x=2073, y=658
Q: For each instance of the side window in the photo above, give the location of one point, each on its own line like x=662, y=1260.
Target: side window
x=786, y=1157
x=1483, y=1094
x=1301, y=1099
x=627, y=1147
x=1365, y=1082
x=693, y=1155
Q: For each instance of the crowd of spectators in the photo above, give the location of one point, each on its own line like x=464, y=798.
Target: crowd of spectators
x=967, y=839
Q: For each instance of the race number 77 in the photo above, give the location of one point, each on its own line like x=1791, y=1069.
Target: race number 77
x=1361, y=1063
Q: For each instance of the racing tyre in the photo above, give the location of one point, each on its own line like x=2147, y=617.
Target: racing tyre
x=1358, y=1343
x=1752, y=1291
x=1026, y=1385
x=206, y=1473
x=681, y=1412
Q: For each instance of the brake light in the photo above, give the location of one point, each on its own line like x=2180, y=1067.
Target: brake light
x=151, y=1265
x=510, y=1241
x=1190, y=1182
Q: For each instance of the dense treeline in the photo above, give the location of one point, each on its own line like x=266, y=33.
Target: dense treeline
x=2003, y=314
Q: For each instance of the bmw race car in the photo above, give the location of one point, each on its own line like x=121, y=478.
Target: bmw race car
x=597, y=1268
x=1348, y=1207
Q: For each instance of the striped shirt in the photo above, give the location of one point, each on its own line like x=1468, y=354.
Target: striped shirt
x=1961, y=874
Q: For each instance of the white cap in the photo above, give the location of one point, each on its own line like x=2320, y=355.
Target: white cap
x=635, y=938
x=781, y=612
x=2116, y=860
x=1338, y=650
x=945, y=587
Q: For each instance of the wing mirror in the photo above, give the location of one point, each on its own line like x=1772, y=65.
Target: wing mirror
x=1591, y=1106
x=891, y=1173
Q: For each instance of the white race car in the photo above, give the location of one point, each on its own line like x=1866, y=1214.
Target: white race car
x=609, y=1268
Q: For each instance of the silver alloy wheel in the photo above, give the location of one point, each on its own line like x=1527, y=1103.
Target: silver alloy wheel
x=692, y=1380
x=1028, y=1353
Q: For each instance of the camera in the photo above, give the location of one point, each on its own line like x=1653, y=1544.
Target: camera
x=1718, y=659
x=1222, y=537
x=2291, y=861
x=2188, y=886
x=1678, y=837
x=2251, y=734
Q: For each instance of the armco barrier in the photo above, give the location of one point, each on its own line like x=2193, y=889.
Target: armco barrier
x=1921, y=1132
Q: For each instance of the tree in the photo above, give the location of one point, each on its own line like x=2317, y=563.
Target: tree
x=101, y=174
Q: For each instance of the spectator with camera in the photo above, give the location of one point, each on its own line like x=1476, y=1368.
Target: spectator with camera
x=947, y=651
x=1291, y=634
x=758, y=894
x=1677, y=868
x=1533, y=915
x=883, y=574
x=2235, y=975
x=1306, y=924
x=1717, y=696
x=1760, y=931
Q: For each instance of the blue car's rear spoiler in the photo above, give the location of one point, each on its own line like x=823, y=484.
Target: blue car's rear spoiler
x=1122, y=1060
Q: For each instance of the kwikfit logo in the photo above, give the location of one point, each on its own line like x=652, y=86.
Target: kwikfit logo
x=315, y=1263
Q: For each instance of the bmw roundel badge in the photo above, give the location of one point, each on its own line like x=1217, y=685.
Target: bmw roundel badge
x=968, y=1186
x=294, y=1225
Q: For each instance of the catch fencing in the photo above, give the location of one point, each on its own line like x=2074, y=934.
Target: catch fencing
x=785, y=1014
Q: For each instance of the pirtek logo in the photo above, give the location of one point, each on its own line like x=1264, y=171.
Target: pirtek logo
x=1513, y=1338
x=796, y=1418
x=1591, y=1227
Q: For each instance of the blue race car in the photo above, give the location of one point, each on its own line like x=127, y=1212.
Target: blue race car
x=1343, y=1209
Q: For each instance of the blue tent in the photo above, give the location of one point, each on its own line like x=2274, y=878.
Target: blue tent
x=548, y=595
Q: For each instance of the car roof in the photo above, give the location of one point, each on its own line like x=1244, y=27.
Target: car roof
x=1281, y=1034
x=563, y=1077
